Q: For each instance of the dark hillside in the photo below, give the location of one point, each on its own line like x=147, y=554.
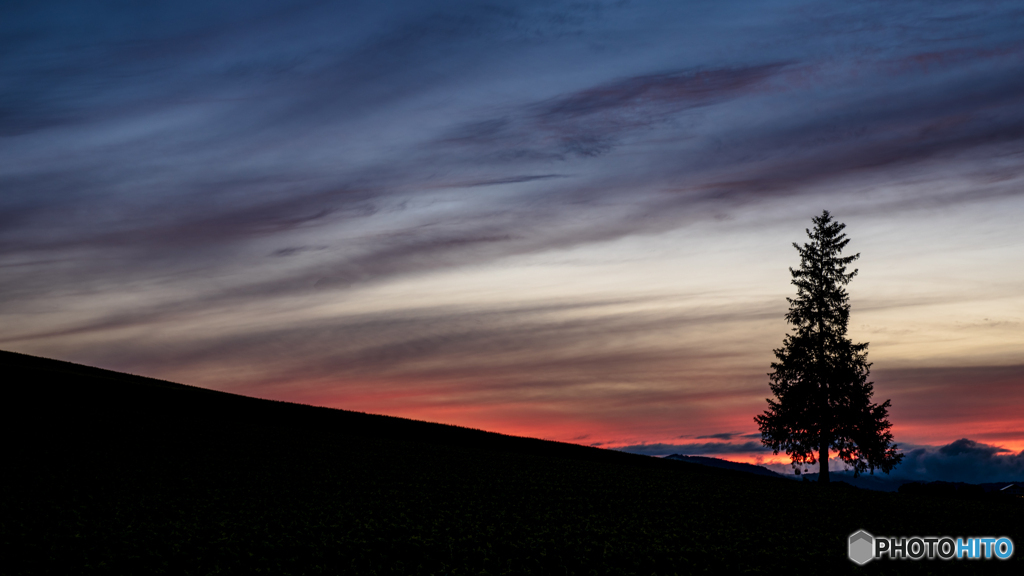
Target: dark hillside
x=111, y=473
x=719, y=463
x=72, y=399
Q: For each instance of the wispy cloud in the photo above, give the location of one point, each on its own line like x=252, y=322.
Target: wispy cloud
x=221, y=184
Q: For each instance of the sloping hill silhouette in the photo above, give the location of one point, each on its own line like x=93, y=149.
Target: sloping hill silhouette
x=719, y=463
x=74, y=399
x=112, y=473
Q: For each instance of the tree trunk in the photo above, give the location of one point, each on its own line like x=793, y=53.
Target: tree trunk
x=825, y=420
x=826, y=439
x=823, y=460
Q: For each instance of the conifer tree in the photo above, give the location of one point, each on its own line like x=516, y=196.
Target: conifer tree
x=822, y=396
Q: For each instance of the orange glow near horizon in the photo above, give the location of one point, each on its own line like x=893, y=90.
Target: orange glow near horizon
x=552, y=421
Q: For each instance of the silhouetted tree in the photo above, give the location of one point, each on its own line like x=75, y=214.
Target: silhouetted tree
x=822, y=396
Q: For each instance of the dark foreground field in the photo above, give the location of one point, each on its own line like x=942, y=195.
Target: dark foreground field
x=110, y=473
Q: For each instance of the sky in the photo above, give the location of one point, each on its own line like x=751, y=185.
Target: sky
x=564, y=220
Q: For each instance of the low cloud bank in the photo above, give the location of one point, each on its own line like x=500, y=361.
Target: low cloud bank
x=963, y=460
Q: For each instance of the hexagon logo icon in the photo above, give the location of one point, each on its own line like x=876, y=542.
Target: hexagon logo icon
x=861, y=545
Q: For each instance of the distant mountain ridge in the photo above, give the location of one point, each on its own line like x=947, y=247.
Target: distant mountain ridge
x=719, y=463
x=877, y=482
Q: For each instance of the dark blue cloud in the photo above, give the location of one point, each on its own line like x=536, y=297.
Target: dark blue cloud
x=644, y=95
x=696, y=448
x=962, y=461
x=722, y=436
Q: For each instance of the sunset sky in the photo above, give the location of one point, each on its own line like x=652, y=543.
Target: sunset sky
x=566, y=220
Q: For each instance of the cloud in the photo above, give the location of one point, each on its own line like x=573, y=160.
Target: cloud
x=254, y=151
x=509, y=180
x=957, y=396
x=721, y=436
x=174, y=174
x=641, y=95
x=295, y=250
x=963, y=460
x=591, y=122
x=696, y=448
x=568, y=341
